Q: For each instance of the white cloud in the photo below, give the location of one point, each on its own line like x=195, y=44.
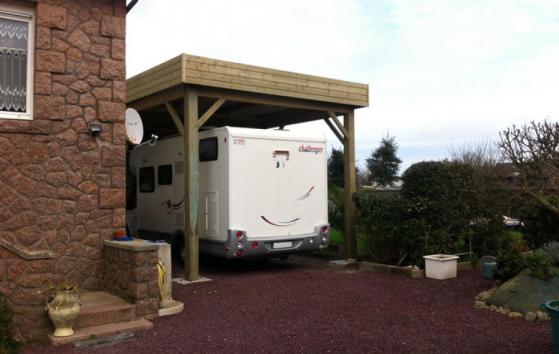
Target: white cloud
x=319, y=38
x=440, y=72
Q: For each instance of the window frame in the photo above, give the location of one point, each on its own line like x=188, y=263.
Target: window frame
x=27, y=14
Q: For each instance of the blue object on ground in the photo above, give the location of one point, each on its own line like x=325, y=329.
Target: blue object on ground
x=487, y=270
x=127, y=238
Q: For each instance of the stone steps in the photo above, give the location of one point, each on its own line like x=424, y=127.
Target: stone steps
x=98, y=308
x=101, y=331
x=102, y=315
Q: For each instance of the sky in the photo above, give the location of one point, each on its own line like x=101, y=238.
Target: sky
x=441, y=73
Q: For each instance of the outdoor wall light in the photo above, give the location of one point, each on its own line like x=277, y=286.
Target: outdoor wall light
x=95, y=129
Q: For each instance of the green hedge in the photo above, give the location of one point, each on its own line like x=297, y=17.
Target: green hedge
x=440, y=205
x=540, y=225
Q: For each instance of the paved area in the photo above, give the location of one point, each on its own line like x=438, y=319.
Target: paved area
x=301, y=307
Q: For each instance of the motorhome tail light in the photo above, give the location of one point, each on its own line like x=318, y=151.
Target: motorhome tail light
x=239, y=253
x=254, y=244
x=239, y=234
x=240, y=245
x=324, y=229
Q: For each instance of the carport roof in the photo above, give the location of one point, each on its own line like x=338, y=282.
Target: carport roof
x=238, y=95
x=194, y=70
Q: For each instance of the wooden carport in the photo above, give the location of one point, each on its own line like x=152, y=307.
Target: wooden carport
x=188, y=92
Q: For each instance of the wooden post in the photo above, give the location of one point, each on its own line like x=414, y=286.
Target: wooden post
x=350, y=244
x=191, y=184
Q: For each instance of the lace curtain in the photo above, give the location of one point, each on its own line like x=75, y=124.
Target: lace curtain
x=13, y=65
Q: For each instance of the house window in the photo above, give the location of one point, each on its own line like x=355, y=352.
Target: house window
x=165, y=175
x=147, y=180
x=207, y=149
x=16, y=61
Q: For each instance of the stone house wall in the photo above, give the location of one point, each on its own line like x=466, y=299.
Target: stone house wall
x=62, y=192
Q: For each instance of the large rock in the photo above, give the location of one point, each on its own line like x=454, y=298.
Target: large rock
x=525, y=292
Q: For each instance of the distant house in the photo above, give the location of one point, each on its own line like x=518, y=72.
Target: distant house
x=393, y=187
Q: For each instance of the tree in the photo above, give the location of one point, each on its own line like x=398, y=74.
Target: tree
x=534, y=150
x=336, y=168
x=383, y=165
x=481, y=155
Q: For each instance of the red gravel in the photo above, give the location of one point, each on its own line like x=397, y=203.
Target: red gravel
x=269, y=307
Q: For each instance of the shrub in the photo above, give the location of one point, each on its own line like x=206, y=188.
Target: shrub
x=440, y=206
x=336, y=206
x=336, y=238
x=8, y=344
x=551, y=251
x=540, y=266
x=387, y=232
x=509, y=263
x=445, y=197
x=540, y=225
x=443, y=194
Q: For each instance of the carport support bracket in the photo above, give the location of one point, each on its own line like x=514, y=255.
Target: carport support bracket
x=342, y=129
x=334, y=130
x=210, y=112
x=175, y=117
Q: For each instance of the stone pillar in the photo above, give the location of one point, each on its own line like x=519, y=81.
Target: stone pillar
x=130, y=271
x=168, y=306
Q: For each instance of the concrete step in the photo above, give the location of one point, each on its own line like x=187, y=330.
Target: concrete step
x=99, y=308
x=102, y=331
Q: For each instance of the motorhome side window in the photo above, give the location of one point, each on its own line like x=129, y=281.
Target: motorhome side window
x=208, y=149
x=147, y=180
x=165, y=175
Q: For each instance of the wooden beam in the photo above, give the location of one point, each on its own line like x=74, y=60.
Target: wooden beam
x=191, y=184
x=158, y=99
x=279, y=101
x=334, y=117
x=175, y=117
x=244, y=109
x=210, y=112
x=334, y=130
x=350, y=244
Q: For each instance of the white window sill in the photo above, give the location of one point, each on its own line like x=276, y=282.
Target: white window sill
x=18, y=116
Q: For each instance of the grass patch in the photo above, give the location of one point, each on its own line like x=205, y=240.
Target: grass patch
x=337, y=239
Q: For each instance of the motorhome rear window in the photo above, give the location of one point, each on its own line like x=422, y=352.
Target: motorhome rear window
x=147, y=179
x=165, y=174
x=208, y=149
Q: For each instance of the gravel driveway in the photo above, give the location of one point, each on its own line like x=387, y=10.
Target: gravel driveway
x=302, y=307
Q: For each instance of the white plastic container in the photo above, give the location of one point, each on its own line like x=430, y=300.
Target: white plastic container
x=440, y=266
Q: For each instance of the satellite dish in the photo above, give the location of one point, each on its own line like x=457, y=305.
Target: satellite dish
x=134, y=127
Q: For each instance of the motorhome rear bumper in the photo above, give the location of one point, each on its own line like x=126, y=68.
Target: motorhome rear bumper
x=270, y=247
x=254, y=246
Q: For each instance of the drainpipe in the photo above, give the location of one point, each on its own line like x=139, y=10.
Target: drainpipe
x=130, y=5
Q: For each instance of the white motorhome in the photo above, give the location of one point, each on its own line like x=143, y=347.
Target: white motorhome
x=263, y=193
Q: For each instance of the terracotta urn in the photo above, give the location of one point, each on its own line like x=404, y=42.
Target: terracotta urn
x=63, y=310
